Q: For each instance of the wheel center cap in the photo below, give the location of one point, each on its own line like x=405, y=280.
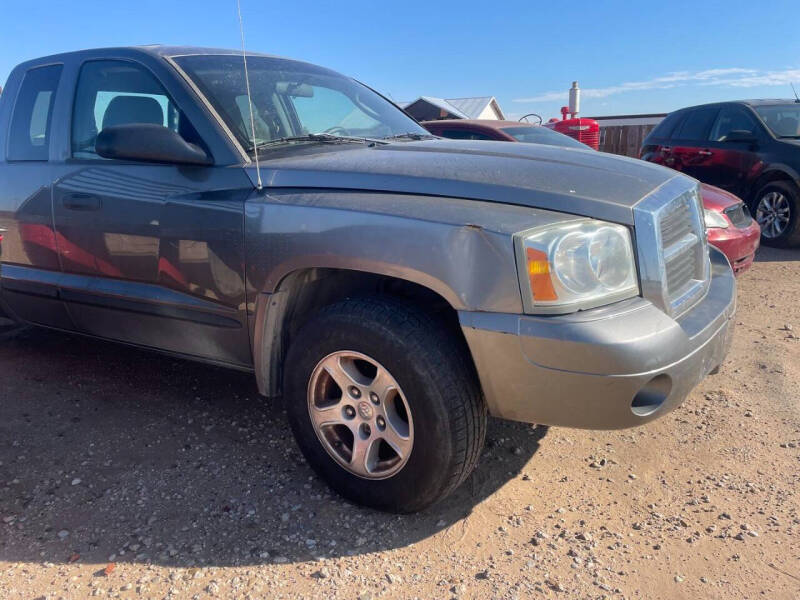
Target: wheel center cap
x=365, y=410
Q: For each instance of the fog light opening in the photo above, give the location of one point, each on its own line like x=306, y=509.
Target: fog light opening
x=650, y=398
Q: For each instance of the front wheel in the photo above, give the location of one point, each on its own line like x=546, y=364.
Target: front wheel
x=777, y=210
x=384, y=404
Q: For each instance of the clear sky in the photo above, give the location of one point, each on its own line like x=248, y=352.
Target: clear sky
x=629, y=57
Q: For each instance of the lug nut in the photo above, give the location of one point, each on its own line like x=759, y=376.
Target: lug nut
x=349, y=412
x=381, y=423
x=355, y=392
x=374, y=397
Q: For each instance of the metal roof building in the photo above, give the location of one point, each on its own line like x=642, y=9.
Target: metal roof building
x=429, y=108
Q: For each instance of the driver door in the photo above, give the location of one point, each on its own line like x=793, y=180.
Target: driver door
x=151, y=254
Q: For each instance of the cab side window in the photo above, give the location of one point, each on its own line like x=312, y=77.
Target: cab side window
x=29, y=136
x=114, y=92
x=732, y=119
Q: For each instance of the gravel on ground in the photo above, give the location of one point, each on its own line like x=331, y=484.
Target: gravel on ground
x=128, y=474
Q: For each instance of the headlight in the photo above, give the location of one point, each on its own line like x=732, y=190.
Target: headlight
x=573, y=266
x=714, y=220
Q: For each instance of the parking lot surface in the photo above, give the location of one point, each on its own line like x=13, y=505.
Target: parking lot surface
x=128, y=474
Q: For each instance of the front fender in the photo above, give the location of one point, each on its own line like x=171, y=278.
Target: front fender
x=460, y=249
x=771, y=172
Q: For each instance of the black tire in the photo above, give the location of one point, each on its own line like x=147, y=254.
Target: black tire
x=790, y=236
x=434, y=371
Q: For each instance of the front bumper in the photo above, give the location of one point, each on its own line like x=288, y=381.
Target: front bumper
x=739, y=245
x=608, y=368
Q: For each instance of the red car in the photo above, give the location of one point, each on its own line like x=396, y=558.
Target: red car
x=728, y=222
x=730, y=227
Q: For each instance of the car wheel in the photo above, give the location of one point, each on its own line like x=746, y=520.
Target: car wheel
x=384, y=403
x=777, y=210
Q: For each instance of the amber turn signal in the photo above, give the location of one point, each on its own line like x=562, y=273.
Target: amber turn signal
x=539, y=275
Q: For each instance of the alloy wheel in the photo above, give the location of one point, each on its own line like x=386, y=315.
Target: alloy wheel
x=772, y=213
x=360, y=415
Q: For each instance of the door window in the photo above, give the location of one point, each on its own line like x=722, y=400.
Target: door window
x=696, y=124
x=667, y=126
x=120, y=93
x=732, y=119
x=29, y=137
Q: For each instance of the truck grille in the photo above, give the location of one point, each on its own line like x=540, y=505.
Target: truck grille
x=739, y=215
x=672, y=247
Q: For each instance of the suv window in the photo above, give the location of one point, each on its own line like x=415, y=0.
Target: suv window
x=696, y=124
x=464, y=134
x=114, y=92
x=667, y=126
x=29, y=137
x=732, y=119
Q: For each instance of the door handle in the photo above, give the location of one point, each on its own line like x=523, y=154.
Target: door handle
x=80, y=201
x=705, y=152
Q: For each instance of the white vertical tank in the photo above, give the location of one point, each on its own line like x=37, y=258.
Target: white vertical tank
x=574, y=99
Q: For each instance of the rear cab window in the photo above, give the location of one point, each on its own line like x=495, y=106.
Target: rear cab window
x=29, y=133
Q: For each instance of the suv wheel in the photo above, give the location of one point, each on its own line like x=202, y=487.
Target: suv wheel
x=776, y=209
x=384, y=404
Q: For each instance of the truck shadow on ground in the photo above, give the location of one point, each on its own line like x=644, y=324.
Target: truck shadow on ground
x=114, y=453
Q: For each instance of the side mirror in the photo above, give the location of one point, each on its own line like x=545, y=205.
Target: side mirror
x=148, y=143
x=742, y=136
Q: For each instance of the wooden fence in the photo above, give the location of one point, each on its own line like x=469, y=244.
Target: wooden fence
x=623, y=139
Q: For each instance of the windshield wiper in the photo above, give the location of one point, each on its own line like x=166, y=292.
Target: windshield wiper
x=411, y=135
x=316, y=137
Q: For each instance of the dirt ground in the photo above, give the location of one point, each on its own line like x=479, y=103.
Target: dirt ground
x=127, y=474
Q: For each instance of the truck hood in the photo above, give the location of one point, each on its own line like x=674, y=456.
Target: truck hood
x=580, y=182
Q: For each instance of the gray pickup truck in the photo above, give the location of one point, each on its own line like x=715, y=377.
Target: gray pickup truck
x=392, y=287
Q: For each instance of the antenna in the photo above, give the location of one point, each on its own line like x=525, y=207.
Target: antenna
x=796, y=98
x=249, y=99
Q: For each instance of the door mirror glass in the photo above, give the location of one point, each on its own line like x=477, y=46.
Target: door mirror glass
x=148, y=142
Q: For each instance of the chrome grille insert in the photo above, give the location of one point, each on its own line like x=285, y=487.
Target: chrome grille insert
x=672, y=247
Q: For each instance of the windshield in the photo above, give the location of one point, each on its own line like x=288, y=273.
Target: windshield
x=782, y=119
x=542, y=135
x=292, y=99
